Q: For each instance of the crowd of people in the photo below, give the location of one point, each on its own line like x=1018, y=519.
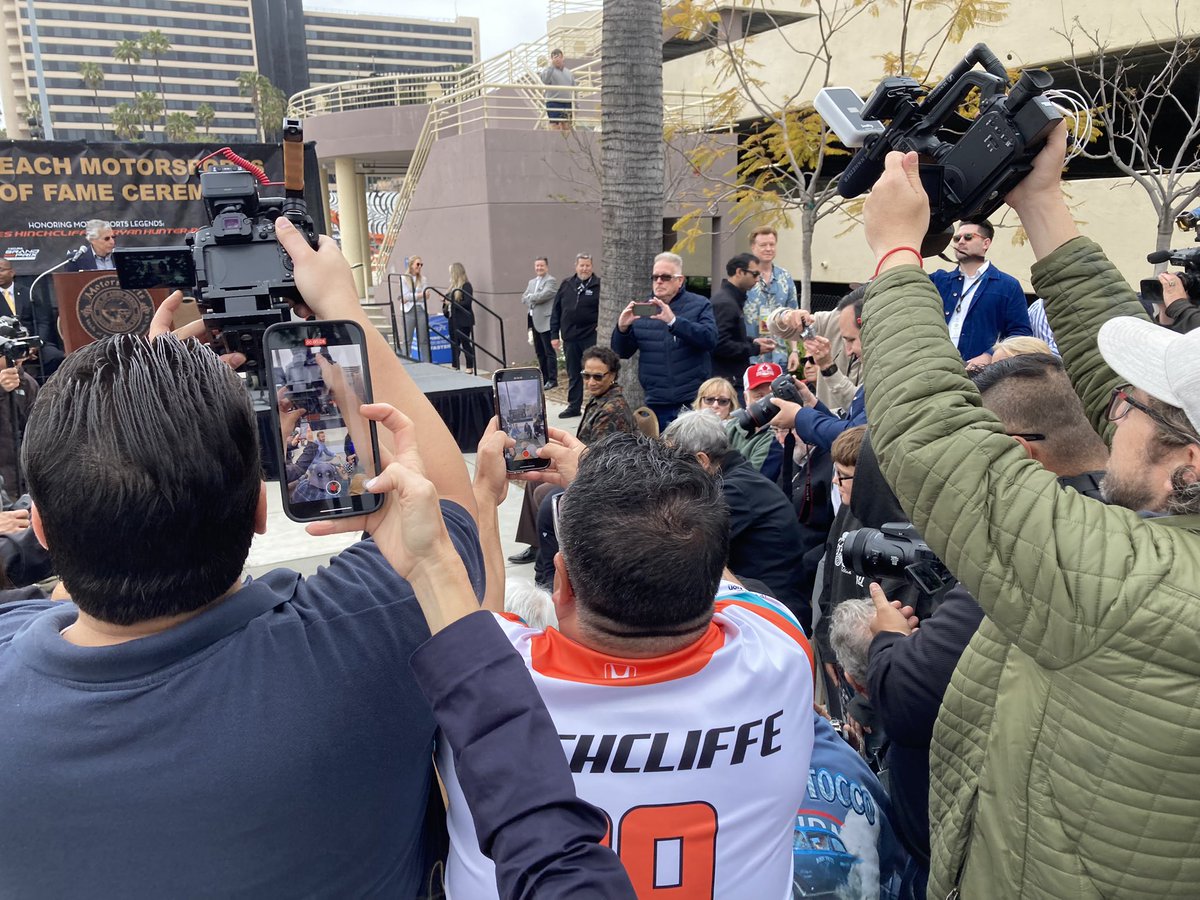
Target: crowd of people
x=719, y=695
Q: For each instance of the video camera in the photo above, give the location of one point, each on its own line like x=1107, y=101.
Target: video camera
x=241, y=276
x=759, y=413
x=965, y=174
x=15, y=340
x=1188, y=259
x=893, y=551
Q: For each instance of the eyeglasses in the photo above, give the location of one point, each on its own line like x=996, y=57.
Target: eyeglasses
x=964, y=237
x=658, y=276
x=1122, y=401
x=753, y=272
x=839, y=478
x=555, y=503
x=418, y=265
x=1031, y=436
x=715, y=401
x=593, y=376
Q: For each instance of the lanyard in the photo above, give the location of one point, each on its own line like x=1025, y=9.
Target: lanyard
x=968, y=294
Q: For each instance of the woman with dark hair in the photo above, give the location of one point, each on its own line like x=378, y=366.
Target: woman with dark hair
x=607, y=411
x=460, y=315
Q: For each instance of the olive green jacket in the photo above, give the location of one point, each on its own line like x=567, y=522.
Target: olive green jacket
x=1066, y=756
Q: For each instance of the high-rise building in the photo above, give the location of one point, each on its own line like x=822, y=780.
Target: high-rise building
x=343, y=46
x=212, y=43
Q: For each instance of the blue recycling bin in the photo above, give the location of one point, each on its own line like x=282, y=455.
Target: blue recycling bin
x=439, y=341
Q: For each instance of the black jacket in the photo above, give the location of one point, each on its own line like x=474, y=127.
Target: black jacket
x=576, y=309
x=458, y=306
x=764, y=536
x=1186, y=313
x=86, y=262
x=734, y=348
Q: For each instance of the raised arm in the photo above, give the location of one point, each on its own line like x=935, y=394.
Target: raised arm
x=324, y=279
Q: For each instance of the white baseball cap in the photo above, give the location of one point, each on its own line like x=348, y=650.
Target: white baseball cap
x=1163, y=363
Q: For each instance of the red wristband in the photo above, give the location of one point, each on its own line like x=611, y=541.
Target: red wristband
x=913, y=250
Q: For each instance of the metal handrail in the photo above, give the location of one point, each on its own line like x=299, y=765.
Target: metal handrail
x=476, y=304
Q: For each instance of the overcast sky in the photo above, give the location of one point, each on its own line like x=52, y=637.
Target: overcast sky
x=502, y=23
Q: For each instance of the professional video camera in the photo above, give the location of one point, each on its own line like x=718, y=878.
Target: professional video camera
x=759, y=413
x=241, y=276
x=893, y=551
x=965, y=174
x=15, y=340
x=1188, y=259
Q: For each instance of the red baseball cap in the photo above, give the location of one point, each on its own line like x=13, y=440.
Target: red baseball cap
x=760, y=374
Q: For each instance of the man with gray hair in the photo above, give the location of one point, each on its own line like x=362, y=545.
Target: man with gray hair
x=764, y=536
x=97, y=256
x=676, y=342
x=850, y=635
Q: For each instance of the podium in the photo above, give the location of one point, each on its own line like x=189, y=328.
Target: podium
x=93, y=305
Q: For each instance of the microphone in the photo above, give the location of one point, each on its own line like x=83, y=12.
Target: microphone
x=75, y=254
x=1158, y=256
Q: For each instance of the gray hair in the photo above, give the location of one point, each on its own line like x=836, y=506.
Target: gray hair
x=94, y=227
x=673, y=258
x=850, y=635
x=698, y=431
x=525, y=599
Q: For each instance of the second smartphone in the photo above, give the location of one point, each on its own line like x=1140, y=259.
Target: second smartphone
x=521, y=406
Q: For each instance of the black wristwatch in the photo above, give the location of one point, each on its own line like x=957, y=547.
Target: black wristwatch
x=832, y=370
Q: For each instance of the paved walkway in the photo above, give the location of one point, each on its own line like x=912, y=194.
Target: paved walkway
x=287, y=545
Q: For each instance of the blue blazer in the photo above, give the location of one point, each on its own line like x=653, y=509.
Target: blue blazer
x=998, y=309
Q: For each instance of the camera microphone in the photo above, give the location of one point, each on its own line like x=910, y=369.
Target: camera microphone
x=1158, y=256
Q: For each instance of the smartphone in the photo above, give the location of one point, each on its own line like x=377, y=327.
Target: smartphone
x=326, y=451
x=521, y=406
x=645, y=309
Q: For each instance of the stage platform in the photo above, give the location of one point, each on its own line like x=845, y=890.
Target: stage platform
x=463, y=400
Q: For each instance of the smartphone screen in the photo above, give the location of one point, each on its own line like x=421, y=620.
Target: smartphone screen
x=645, y=309
x=327, y=451
x=158, y=267
x=521, y=406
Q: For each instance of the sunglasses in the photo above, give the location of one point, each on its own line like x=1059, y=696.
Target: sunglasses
x=964, y=237
x=1029, y=436
x=659, y=277
x=753, y=272
x=592, y=376
x=715, y=401
x=555, y=503
x=1122, y=401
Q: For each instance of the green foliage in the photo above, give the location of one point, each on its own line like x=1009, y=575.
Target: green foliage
x=269, y=103
x=204, y=117
x=126, y=123
x=180, y=127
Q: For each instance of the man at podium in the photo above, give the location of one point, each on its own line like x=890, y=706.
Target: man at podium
x=98, y=255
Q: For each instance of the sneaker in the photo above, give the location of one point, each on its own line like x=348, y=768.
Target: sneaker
x=569, y=413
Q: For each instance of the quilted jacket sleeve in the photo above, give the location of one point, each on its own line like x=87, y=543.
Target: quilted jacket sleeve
x=1053, y=569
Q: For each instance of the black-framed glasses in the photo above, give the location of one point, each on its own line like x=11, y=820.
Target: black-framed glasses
x=658, y=276
x=593, y=376
x=753, y=272
x=839, y=478
x=1029, y=436
x=1122, y=401
x=715, y=401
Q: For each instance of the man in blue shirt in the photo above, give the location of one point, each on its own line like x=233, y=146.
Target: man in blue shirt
x=177, y=731
x=983, y=305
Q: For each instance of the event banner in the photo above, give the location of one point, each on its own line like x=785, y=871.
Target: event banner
x=150, y=193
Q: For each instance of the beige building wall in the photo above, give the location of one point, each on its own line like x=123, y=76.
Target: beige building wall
x=1112, y=211
x=344, y=46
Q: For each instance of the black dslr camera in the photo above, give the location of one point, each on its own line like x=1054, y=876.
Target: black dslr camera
x=759, y=413
x=241, y=276
x=1188, y=259
x=966, y=173
x=893, y=551
x=15, y=341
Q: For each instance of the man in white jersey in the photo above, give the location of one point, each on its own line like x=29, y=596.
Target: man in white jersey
x=687, y=721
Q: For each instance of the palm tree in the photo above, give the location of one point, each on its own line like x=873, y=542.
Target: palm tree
x=273, y=104
x=155, y=45
x=204, y=116
x=631, y=153
x=126, y=124
x=93, y=80
x=129, y=53
x=148, y=108
x=180, y=127
x=250, y=85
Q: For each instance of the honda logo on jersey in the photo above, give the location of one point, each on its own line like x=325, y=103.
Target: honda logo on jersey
x=614, y=672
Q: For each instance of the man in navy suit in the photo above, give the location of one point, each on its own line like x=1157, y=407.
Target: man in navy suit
x=982, y=304
x=98, y=255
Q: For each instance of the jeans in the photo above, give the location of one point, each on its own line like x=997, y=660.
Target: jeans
x=415, y=322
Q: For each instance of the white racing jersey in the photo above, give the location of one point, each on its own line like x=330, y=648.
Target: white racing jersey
x=699, y=758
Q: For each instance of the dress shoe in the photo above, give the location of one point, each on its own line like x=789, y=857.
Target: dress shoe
x=550, y=385
x=569, y=413
x=528, y=555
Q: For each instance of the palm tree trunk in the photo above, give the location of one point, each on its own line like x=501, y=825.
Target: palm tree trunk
x=162, y=94
x=632, y=164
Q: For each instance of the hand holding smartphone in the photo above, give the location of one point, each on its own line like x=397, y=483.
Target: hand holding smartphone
x=320, y=377
x=521, y=406
x=645, y=309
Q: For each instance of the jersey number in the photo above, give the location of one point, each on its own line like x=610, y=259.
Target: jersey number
x=668, y=850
